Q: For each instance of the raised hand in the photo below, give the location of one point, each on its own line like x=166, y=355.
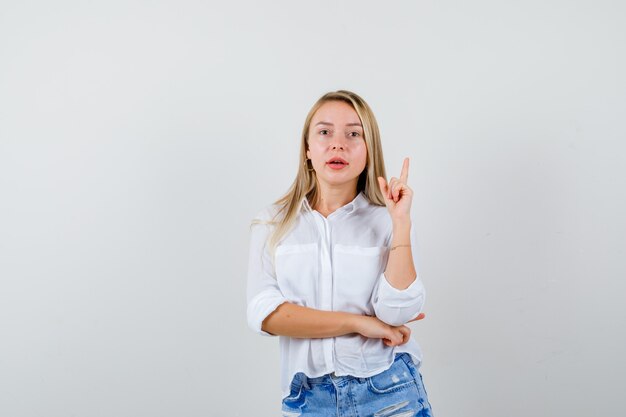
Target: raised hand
x=397, y=194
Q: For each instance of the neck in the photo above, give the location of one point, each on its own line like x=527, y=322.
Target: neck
x=331, y=198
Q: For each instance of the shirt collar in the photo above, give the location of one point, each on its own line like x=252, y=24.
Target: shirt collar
x=359, y=201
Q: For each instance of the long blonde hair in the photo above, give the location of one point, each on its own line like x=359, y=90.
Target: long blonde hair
x=305, y=184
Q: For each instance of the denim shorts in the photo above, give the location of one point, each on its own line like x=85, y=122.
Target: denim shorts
x=397, y=392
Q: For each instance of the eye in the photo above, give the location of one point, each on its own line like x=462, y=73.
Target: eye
x=324, y=132
x=354, y=134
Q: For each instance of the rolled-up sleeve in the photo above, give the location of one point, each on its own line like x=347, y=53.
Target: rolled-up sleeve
x=263, y=292
x=396, y=307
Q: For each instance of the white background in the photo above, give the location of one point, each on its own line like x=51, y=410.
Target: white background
x=138, y=139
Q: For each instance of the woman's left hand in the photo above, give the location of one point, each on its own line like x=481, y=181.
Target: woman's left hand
x=397, y=194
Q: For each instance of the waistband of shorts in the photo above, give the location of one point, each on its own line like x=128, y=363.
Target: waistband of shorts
x=333, y=379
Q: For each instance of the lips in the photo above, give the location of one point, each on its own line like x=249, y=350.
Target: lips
x=336, y=161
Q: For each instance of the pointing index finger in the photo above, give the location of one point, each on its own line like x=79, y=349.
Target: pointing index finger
x=404, y=175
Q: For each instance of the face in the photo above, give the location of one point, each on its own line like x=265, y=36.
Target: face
x=336, y=144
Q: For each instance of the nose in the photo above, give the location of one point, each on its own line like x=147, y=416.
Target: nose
x=338, y=143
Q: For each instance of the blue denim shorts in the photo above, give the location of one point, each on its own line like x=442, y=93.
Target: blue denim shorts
x=397, y=392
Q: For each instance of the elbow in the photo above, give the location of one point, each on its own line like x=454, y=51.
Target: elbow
x=265, y=329
x=258, y=312
x=253, y=323
x=397, y=306
x=399, y=314
x=257, y=324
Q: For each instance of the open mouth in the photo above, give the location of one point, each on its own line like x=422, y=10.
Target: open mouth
x=337, y=162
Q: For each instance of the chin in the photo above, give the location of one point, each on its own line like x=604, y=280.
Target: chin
x=340, y=181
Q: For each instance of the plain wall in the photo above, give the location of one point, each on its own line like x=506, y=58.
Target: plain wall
x=138, y=139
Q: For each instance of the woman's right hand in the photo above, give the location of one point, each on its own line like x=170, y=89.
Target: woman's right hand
x=372, y=327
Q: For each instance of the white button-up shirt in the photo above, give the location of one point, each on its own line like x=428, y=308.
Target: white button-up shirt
x=334, y=264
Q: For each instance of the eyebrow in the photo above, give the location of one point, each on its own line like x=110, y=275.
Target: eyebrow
x=330, y=124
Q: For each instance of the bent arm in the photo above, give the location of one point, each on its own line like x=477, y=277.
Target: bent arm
x=399, y=295
x=303, y=322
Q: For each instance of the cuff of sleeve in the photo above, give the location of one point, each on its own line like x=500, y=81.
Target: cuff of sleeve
x=261, y=306
x=394, y=297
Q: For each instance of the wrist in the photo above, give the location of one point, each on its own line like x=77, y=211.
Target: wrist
x=355, y=323
x=401, y=223
x=401, y=232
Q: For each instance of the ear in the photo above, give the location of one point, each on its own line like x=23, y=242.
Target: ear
x=308, y=154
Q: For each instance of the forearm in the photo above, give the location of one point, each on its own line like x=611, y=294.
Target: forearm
x=400, y=271
x=303, y=322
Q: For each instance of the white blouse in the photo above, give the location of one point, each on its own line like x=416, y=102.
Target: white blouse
x=334, y=264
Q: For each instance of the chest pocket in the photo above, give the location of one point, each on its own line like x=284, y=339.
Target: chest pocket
x=297, y=272
x=356, y=271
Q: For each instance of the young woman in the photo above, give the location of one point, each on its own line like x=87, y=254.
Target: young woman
x=332, y=271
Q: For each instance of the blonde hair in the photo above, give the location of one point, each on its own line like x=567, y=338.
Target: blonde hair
x=305, y=184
